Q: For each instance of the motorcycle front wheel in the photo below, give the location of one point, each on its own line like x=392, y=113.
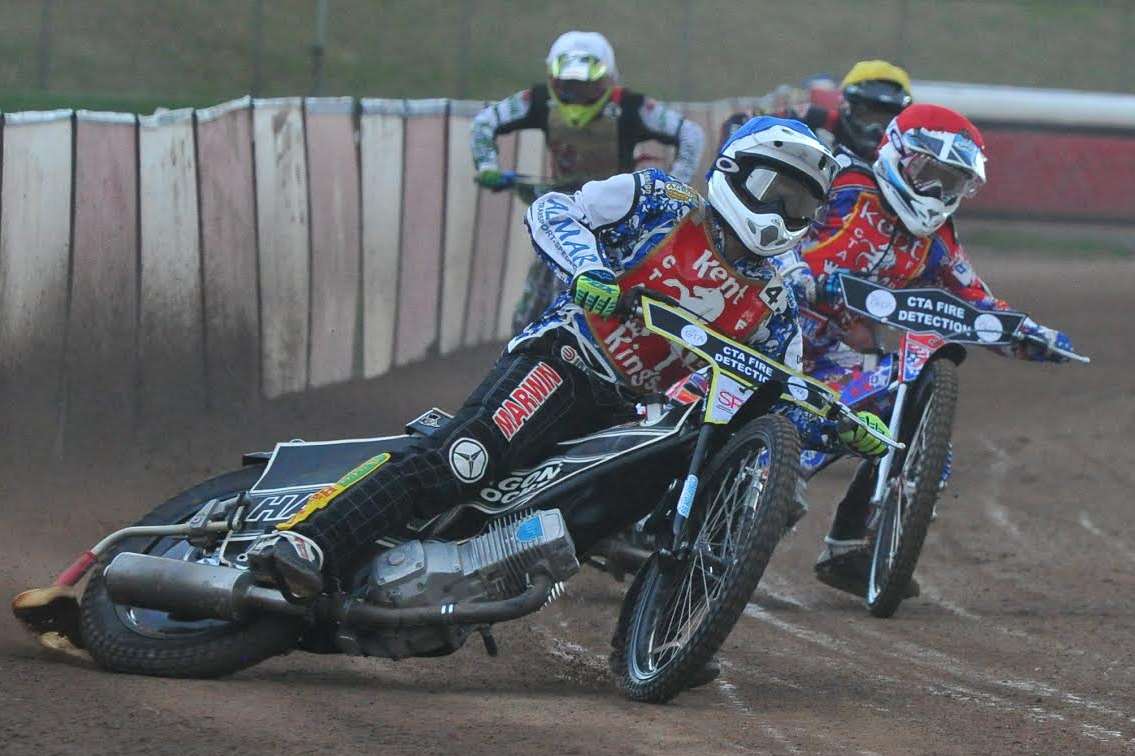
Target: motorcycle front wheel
x=147, y=642
x=680, y=610
x=904, y=516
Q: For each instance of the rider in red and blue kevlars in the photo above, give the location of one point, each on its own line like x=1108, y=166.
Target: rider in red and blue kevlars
x=891, y=222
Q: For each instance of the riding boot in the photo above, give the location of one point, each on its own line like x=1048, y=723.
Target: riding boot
x=845, y=562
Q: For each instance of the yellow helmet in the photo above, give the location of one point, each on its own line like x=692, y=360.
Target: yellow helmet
x=877, y=70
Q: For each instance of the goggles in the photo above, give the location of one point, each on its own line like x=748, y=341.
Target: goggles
x=777, y=189
x=573, y=92
x=930, y=177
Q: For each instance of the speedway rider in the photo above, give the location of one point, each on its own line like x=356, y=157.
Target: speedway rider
x=873, y=93
x=889, y=221
x=592, y=125
x=572, y=371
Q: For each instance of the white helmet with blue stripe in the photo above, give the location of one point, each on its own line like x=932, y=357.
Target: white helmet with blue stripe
x=770, y=182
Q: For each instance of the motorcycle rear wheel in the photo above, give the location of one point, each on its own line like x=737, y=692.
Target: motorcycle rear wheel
x=144, y=642
x=679, y=612
x=908, y=506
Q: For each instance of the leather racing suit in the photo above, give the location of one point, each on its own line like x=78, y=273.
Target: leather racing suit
x=602, y=148
x=572, y=372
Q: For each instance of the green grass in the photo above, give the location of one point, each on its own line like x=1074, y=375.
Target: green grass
x=135, y=54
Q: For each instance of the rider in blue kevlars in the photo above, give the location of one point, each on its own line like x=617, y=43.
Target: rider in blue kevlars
x=578, y=369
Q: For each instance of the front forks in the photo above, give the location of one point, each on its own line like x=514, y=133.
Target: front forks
x=888, y=459
x=690, y=488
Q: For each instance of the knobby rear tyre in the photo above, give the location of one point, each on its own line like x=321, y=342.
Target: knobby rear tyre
x=218, y=649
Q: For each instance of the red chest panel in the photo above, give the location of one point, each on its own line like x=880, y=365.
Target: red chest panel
x=684, y=266
x=867, y=243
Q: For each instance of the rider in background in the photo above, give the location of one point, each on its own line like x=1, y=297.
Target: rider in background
x=592, y=125
x=873, y=93
x=889, y=222
x=579, y=369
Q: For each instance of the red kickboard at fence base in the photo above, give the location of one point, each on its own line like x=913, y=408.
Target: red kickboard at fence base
x=228, y=252
x=1073, y=176
x=333, y=183
x=422, y=229
x=104, y=277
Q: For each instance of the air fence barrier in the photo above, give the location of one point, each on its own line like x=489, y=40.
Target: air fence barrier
x=214, y=258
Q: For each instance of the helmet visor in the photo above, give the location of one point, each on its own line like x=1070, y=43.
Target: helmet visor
x=872, y=115
x=930, y=177
x=779, y=190
x=957, y=150
x=575, y=92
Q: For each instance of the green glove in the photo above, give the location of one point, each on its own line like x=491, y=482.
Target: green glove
x=860, y=441
x=491, y=178
x=596, y=291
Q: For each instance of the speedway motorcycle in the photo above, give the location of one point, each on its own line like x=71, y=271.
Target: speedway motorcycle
x=171, y=595
x=919, y=382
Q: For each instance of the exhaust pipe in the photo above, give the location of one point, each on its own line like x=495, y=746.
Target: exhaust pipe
x=191, y=590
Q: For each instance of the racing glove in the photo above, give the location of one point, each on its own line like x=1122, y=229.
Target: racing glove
x=860, y=441
x=830, y=290
x=1037, y=352
x=491, y=178
x=596, y=291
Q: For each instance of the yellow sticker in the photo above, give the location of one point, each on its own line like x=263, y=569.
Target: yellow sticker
x=680, y=192
x=327, y=494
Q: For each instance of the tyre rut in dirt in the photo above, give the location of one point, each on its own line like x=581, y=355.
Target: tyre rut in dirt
x=676, y=616
x=189, y=649
x=908, y=506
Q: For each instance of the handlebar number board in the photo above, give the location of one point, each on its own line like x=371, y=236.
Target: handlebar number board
x=737, y=369
x=930, y=311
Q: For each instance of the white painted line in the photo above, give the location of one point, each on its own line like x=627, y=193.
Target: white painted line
x=1113, y=542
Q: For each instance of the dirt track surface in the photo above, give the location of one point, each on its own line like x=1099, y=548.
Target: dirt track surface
x=1021, y=642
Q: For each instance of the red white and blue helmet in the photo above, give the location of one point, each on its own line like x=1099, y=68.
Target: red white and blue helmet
x=930, y=158
x=770, y=182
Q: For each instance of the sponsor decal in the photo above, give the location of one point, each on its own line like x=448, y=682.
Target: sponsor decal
x=468, y=459
x=775, y=295
x=798, y=389
x=324, y=496
x=522, y=484
x=523, y=401
x=988, y=327
x=565, y=229
x=530, y=530
x=277, y=507
x=680, y=192
x=569, y=355
x=729, y=401
x=881, y=303
x=694, y=335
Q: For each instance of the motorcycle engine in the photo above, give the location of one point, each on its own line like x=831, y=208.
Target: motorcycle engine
x=492, y=566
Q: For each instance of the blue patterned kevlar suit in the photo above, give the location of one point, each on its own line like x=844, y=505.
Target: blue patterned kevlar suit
x=617, y=225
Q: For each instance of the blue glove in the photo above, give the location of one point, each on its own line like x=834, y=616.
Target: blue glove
x=1043, y=352
x=596, y=291
x=830, y=290
x=490, y=178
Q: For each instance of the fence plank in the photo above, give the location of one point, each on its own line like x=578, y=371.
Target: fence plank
x=34, y=249
x=170, y=336
x=381, y=146
x=333, y=182
x=493, y=213
x=102, y=324
x=228, y=238
x=282, y=230
x=419, y=275
x=460, y=226
x=520, y=256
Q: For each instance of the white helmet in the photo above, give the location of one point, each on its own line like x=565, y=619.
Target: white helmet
x=931, y=157
x=770, y=182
